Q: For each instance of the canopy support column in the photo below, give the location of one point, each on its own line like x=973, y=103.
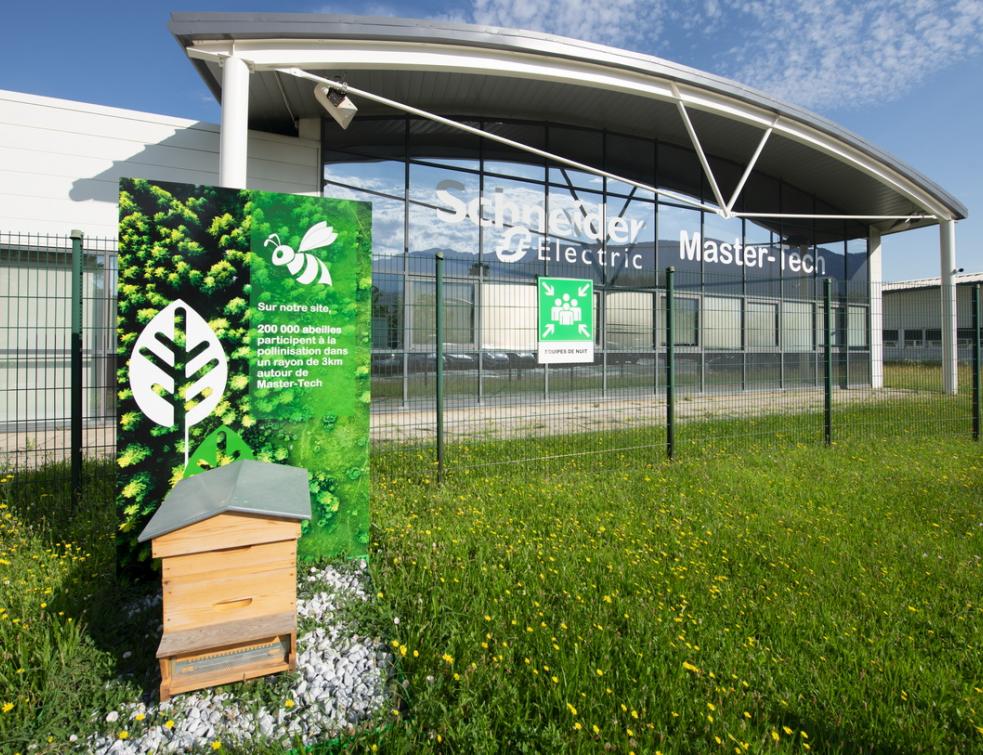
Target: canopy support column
x=947, y=238
x=235, y=123
x=876, y=268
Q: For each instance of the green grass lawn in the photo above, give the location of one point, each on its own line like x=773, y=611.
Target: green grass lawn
x=770, y=596
x=761, y=592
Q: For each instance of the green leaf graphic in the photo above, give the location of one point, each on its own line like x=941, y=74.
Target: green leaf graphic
x=222, y=446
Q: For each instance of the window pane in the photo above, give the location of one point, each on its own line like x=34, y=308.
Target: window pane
x=631, y=158
x=387, y=311
x=857, y=270
x=628, y=321
x=582, y=145
x=459, y=314
x=512, y=162
x=514, y=217
x=724, y=256
x=440, y=219
x=721, y=323
x=857, y=335
x=762, y=325
x=508, y=317
x=764, y=280
x=630, y=246
x=576, y=232
x=381, y=183
x=797, y=326
x=676, y=224
x=686, y=322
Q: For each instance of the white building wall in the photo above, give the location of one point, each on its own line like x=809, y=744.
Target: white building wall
x=920, y=309
x=60, y=161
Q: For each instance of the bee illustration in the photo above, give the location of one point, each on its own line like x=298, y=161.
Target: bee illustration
x=304, y=267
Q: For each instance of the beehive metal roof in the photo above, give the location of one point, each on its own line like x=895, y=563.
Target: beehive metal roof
x=243, y=487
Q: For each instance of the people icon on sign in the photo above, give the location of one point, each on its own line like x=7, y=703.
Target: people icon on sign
x=566, y=311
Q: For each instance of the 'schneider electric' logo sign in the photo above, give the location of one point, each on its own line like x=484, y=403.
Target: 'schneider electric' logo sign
x=523, y=227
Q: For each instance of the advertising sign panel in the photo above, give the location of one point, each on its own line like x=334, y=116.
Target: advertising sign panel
x=243, y=332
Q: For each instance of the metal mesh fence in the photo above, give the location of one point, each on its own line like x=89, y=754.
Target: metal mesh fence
x=749, y=360
x=35, y=354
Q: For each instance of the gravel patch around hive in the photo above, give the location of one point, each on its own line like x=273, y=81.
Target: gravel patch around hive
x=341, y=682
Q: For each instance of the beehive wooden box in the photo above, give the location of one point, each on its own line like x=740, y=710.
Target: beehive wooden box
x=228, y=542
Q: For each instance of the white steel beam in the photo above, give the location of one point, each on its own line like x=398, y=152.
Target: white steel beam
x=348, y=89
x=695, y=140
x=350, y=55
x=750, y=166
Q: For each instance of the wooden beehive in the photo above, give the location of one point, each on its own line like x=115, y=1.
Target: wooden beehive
x=227, y=539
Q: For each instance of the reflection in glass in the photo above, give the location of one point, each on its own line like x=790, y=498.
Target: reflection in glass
x=721, y=323
x=630, y=243
x=686, y=320
x=762, y=324
x=459, y=314
x=725, y=257
x=628, y=321
x=675, y=224
x=443, y=217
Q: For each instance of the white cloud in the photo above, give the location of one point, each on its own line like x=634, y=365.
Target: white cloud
x=621, y=23
x=828, y=54
x=822, y=54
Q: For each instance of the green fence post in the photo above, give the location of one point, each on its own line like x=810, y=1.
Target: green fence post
x=670, y=366
x=76, y=376
x=828, y=361
x=440, y=366
x=976, y=361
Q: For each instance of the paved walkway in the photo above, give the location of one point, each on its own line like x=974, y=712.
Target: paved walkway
x=521, y=417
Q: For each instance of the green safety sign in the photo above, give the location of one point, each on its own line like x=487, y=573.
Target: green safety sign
x=566, y=321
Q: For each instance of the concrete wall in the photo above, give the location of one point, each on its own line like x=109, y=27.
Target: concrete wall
x=60, y=161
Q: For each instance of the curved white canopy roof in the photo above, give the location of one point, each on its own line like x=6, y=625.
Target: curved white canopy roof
x=490, y=72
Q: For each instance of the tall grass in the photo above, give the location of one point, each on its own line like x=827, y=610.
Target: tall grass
x=783, y=596
x=761, y=592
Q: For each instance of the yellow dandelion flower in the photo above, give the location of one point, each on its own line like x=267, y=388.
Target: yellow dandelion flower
x=774, y=735
x=448, y=659
x=599, y=672
x=691, y=668
x=595, y=729
x=139, y=717
x=124, y=734
x=169, y=724
x=289, y=703
x=216, y=745
x=787, y=730
x=7, y=707
x=577, y=726
x=573, y=711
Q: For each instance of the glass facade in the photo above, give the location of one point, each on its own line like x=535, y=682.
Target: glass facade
x=748, y=314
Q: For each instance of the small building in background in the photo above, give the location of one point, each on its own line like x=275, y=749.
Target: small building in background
x=913, y=319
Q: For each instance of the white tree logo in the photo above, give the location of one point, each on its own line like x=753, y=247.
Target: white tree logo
x=305, y=268
x=178, y=380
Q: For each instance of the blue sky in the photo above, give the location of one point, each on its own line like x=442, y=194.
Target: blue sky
x=907, y=75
